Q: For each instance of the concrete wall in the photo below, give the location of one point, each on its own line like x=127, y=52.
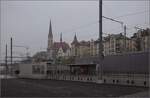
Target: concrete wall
x=137, y=63
x=132, y=80
x=26, y=71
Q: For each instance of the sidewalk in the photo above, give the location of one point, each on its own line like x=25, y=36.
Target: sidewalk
x=144, y=94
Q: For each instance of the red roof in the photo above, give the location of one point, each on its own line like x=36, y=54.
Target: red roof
x=58, y=45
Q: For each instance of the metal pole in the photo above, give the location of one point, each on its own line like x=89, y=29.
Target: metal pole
x=125, y=28
x=11, y=53
x=0, y=46
x=100, y=40
x=6, y=61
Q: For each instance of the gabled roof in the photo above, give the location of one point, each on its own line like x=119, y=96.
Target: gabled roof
x=62, y=45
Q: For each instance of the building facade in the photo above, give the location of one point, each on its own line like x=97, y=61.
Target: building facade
x=141, y=40
x=115, y=43
x=81, y=48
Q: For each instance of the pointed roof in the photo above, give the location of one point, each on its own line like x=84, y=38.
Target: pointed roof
x=75, y=41
x=60, y=37
x=50, y=30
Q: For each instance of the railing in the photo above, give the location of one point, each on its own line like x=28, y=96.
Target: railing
x=130, y=75
x=122, y=79
x=84, y=78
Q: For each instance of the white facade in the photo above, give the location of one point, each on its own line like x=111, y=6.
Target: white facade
x=60, y=52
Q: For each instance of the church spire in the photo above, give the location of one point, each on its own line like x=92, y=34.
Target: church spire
x=61, y=37
x=75, y=38
x=50, y=42
x=50, y=30
x=75, y=41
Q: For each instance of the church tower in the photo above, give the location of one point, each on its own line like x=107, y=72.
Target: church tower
x=75, y=46
x=50, y=42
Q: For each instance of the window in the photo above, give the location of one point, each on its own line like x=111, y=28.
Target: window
x=38, y=69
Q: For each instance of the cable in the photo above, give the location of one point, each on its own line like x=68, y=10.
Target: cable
x=82, y=26
x=131, y=14
x=95, y=22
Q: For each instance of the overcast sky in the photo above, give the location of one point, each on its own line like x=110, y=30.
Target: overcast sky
x=28, y=21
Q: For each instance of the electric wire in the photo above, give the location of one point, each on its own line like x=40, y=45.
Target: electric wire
x=95, y=22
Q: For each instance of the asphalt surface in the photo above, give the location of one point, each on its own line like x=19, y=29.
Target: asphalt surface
x=55, y=88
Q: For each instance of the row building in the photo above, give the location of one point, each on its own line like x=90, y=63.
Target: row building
x=113, y=44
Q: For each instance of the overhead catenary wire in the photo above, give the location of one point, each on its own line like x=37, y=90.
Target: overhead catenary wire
x=113, y=19
x=131, y=14
x=81, y=27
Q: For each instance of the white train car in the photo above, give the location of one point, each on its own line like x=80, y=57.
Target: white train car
x=33, y=70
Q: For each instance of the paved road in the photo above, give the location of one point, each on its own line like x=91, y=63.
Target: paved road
x=55, y=88
x=4, y=76
x=144, y=94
